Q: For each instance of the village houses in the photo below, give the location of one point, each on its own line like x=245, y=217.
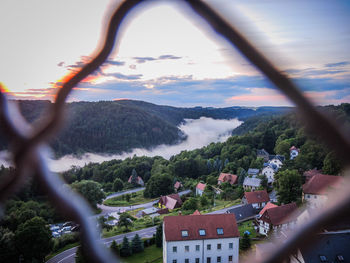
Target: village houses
x=251, y=183
x=170, y=201
x=258, y=199
x=226, y=177
x=200, y=189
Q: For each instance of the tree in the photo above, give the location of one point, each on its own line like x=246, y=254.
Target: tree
x=331, y=164
x=125, y=249
x=79, y=256
x=90, y=190
x=241, y=175
x=159, y=236
x=288, y=186
x=137, y=244
x=115, y=248
x=125, y=221
x=33, y=239
x=204, y=201
x=159, y=185
x=213, y=180
x=118, y=185
x=245, y=242
x=134, y=177
x=282, y=148
x=7, y=246
x=190, y=204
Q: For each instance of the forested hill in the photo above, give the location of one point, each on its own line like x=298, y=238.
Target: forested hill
x=117, y=126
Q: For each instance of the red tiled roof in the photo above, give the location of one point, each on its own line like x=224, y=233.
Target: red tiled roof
x=171, y=201
x=280, y=215
x=173, y=225
x=138, y=179
x=231, y=178
x=196, y=213
x=293, y=148
x=267, y=206
x=257, y=197
x=321, y=183
x=201, y=186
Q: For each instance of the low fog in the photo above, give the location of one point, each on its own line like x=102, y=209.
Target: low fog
x=200, y=132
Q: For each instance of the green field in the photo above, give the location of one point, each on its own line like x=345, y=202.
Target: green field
x=136, y=198
x=150, y=254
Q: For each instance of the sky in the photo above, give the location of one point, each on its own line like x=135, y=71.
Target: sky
x=167, y=55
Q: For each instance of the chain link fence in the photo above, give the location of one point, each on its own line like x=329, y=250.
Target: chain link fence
x=30, y=151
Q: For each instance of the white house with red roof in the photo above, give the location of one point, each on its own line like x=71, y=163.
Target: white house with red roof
x=200, y=188
x=293, y=152
x=200, y=239
x=226, y=177
x=278, y=218
x=316, y=190
x=267, y=206
x=258, y=199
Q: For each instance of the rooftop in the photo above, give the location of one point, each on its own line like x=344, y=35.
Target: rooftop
x=257, y=197
x=321, y=184
x=280, y=215
x=174, y=225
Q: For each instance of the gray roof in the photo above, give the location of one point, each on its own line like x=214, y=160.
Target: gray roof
x=331, y=246
x=150, y=210
x=252, y=181
x=253, y=171
x=243, y=212
x=279, y=157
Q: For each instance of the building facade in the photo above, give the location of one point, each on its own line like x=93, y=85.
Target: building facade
x=200, y=239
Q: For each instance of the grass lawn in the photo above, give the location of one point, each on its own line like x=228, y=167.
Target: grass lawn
x=247, y=225
x=135, y=199
x=150, y=254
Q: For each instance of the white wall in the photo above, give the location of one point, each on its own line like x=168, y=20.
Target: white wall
x=203, y=253
x=315, y=201
x=269, y=173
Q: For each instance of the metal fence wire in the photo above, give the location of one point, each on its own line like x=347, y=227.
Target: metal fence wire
x=29, y=143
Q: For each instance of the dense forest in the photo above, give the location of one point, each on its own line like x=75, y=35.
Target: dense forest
x=118, y=126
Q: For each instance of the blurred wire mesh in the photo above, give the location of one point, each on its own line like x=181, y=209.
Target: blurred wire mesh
x=29, y=150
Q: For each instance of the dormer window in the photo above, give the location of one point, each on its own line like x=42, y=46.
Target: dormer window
x=184, y=233
x=220, y=231
x=340, y=258
x=202, y=232
x=323, y=258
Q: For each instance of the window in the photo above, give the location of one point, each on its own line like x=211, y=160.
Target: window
x=202, y=232
x=187, y=260
x=208, y=247
x=208, y=260
x=323, y=258
x=187, y=248
x=219, y=246
x=230, y=258
x=174, y=261
x=174, y=249
x=220, y=231
x=218, y=259
x=184, y=233
x=197, y=260
x=230, y=245
x=197, y=247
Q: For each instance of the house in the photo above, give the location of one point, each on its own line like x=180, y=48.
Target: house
x=200, y=188
x=277, y=219
x=269, y=171
x=251, y=183
x=138, y=181
x=253, y=172
x=293, y=152
x=177, y=186
x=170, y=201
x=225, y=177
x=258, y=199
x=316, y=190
x=327, y=247
x=200, y=239
x=262, y=154
x=310, y=173
x=267, y=206
x=277, y=160
x=148, y=212
x=196, y=213
x=243, y=213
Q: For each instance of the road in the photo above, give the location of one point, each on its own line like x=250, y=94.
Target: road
x=68, y=256
x=108, y=209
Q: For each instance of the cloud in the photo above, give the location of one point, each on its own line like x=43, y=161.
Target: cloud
x=124, y=77
x=141, y=60
x=338, y=64
x=114, y=63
